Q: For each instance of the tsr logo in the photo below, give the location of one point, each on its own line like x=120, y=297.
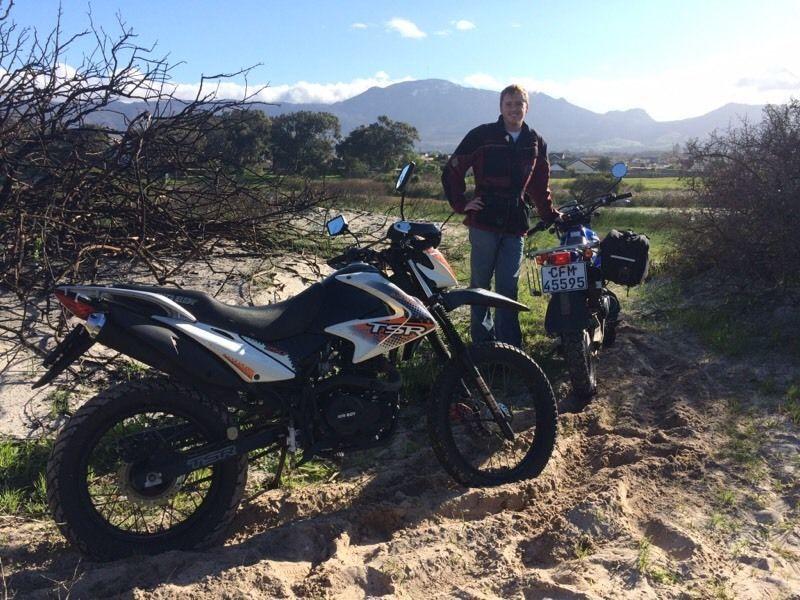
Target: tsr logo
x=406, y=329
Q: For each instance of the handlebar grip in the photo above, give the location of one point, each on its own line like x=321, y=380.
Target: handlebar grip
x=540, y=226
x=623, y=196
x=336, y=260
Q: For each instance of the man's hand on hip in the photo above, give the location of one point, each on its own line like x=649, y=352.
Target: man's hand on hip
x=475, y=204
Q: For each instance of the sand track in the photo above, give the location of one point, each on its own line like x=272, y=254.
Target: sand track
x=679, y=480
x=628, y=507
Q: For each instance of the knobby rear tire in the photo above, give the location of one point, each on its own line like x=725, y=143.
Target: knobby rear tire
x=446, y=391
x=68, y=493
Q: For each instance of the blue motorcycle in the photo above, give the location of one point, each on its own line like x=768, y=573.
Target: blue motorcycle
x=582, y=311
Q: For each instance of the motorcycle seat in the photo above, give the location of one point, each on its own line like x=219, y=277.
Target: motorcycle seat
x=268, y=323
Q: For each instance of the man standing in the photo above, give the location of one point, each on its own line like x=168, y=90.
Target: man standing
x=509, y=163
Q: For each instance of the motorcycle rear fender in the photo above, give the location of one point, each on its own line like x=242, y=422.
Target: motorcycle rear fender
x=479, y=297
x=567, y=312
x=168, y=351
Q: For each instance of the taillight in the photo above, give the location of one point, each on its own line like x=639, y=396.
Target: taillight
x=560, y=258
x=75, y=306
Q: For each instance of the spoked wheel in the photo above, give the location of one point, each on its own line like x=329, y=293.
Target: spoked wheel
x=581, y=362
x=106, y=495
x=465, y=436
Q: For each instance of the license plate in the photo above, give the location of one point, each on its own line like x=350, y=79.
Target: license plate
x=564, y=278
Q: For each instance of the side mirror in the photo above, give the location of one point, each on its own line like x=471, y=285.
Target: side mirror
x=336, y=225
x=619, y=170
x=404, y=177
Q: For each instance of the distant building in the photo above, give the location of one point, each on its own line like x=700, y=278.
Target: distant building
x=580, y=167
x=557, y=168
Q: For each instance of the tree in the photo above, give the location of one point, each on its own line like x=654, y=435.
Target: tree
x=82, y=175
x=242, y=138
x=746, y=184
x=303, y=142
x=380, y=146
x=603, y=164
x=590, y=185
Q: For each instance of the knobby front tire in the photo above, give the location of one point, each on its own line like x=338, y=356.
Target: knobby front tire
x=581, y=363
x=463, y=433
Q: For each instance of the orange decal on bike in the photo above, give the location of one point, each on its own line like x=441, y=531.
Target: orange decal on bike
x=241, y=366
x=437, y=256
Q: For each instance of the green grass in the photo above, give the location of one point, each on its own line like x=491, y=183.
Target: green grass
x=22, y=476
x=309, y=473
x=634, y=183
x=59, y=403
x=130, y=370
x=743, y=446
x=791, y=403
x=294, y=475
x=729, y=325
x=643, y=556
x=726, y=498
x=583, y=547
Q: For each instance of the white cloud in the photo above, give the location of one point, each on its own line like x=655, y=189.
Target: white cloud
x=442, y=32
x=516, y=25
x=772, y=79
x=359, y=26
x=483, y=81
x=464, y=25
x=405, y=28
x=680, y=91
x=299, y=92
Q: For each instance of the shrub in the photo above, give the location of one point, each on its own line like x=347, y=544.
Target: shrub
x=585, y=187
x=747, y=190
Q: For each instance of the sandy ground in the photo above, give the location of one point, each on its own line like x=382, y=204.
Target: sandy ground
x=678, y=481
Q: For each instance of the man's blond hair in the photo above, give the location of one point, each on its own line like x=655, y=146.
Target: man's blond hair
x=514, y=89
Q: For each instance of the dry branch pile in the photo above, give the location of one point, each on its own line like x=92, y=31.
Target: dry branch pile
x=83, y=181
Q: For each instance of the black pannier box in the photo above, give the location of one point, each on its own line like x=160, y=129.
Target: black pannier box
x=625, y=257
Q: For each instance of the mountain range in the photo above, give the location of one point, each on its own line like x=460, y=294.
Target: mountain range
x=443, y=112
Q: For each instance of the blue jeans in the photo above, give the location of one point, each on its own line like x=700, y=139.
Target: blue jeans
x=498, y=255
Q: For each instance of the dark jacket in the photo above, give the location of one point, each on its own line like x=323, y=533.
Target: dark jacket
x=501, y=168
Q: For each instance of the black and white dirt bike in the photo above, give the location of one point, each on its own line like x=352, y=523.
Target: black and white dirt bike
x=161, y=463
x=582, y=311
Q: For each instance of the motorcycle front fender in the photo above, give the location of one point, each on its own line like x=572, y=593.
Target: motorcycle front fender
x=567, y=311
x=479, y=297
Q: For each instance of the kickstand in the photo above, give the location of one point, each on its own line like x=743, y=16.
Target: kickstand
x=276, y=482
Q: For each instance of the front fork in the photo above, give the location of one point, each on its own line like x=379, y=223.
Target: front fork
x=461, y=352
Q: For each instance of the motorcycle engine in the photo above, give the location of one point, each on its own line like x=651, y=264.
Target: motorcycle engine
x=357, y=409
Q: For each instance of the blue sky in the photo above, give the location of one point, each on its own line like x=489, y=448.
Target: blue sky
x=674, y=58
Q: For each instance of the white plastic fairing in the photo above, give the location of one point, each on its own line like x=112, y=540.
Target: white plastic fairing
x=441, y=274
x=252, y=360
x=93, y=291
x=372, y=337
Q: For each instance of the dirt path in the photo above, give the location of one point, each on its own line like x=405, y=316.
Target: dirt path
x=678, y=481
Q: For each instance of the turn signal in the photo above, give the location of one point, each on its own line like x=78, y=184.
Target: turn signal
x=542, y=259
x=560, y=258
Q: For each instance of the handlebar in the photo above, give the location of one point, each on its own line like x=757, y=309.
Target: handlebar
x=352, y=255
x=582, y=212
x=540, y=226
